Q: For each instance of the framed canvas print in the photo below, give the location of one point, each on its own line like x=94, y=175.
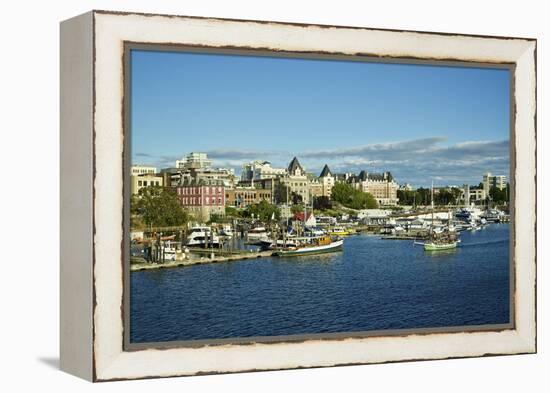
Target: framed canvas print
x=246, y=195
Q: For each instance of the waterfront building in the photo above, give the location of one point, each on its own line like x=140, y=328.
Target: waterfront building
x=374, y=216
x=489, y=181
x=137, y=182
x=136, y=170
x=245, y=196
x=381, y=186
x=327, y=180
x=202, y=198
x=315, y=188
x=296, y=180
x=258, y=170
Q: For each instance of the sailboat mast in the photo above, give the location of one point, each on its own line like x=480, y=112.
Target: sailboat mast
x=432, y=200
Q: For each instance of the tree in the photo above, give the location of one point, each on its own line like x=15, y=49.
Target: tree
x=232, y=212
x=281, y=193
x=408, y=197
x=263, y=211
x=498, y=196
x=353, y=198
x=158, y=206
x=322, y=203
x=296, y=198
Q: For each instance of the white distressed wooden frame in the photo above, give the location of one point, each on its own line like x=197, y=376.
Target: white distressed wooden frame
x=92, y=142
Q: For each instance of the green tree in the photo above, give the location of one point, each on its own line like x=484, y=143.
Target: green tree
x=498, y=196
x=353, y=198
x=297, y=208
x=158, y=206
x=232, y=212
x=281, y=193
x=322, y=203
x=263, y=211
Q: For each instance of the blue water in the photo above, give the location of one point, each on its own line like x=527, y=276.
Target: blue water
x=373, y=284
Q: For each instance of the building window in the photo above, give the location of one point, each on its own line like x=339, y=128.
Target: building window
x=140, y=183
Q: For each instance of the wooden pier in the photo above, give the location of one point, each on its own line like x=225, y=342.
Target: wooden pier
x=225, y=257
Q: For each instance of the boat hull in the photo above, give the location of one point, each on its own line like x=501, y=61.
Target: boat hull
x=333, y=247
x=439, y=247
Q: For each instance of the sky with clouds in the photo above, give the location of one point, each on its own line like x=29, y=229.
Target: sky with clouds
x=421, y=122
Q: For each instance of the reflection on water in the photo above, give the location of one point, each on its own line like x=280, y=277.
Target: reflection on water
x=372, y=284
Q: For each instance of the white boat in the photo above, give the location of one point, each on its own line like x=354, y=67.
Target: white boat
x=269, y=244
x=202, y=236
x=257, y=233
x=227, y=231
x=320, y=245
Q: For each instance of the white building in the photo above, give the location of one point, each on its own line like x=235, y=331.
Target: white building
x=146, y=180
x=194, y=161
x=258, y=170
x=197, y=167
x=489, y=181
x=136, y=170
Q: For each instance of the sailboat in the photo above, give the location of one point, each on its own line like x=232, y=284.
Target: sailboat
x=444, y=239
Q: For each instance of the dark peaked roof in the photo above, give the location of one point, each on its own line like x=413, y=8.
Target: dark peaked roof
x=294, y=164
x=364, y=175
x=325, y=172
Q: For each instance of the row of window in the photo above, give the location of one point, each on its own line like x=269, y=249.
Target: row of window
x=263, y=195
x=197, y=201
x=144, y=183
x=197, y=190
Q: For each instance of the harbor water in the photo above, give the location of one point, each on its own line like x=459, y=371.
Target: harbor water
x=372, y=284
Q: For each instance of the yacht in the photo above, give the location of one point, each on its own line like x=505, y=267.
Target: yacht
x=257, y=233
x=202, y=236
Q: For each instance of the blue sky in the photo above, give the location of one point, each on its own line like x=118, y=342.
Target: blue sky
x=449, y=124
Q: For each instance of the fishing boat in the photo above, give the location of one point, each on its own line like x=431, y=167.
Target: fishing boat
x=269, y=244
x=320, y=245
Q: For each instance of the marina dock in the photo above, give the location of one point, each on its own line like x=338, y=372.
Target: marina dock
x=226, y=257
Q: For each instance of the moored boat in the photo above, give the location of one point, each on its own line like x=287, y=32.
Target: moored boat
x=257, y=233
x=339, y=231
x=202, y=236
x=433, y=246
x=321, y=245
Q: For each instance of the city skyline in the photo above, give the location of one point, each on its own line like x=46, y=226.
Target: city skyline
x=350, y=115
